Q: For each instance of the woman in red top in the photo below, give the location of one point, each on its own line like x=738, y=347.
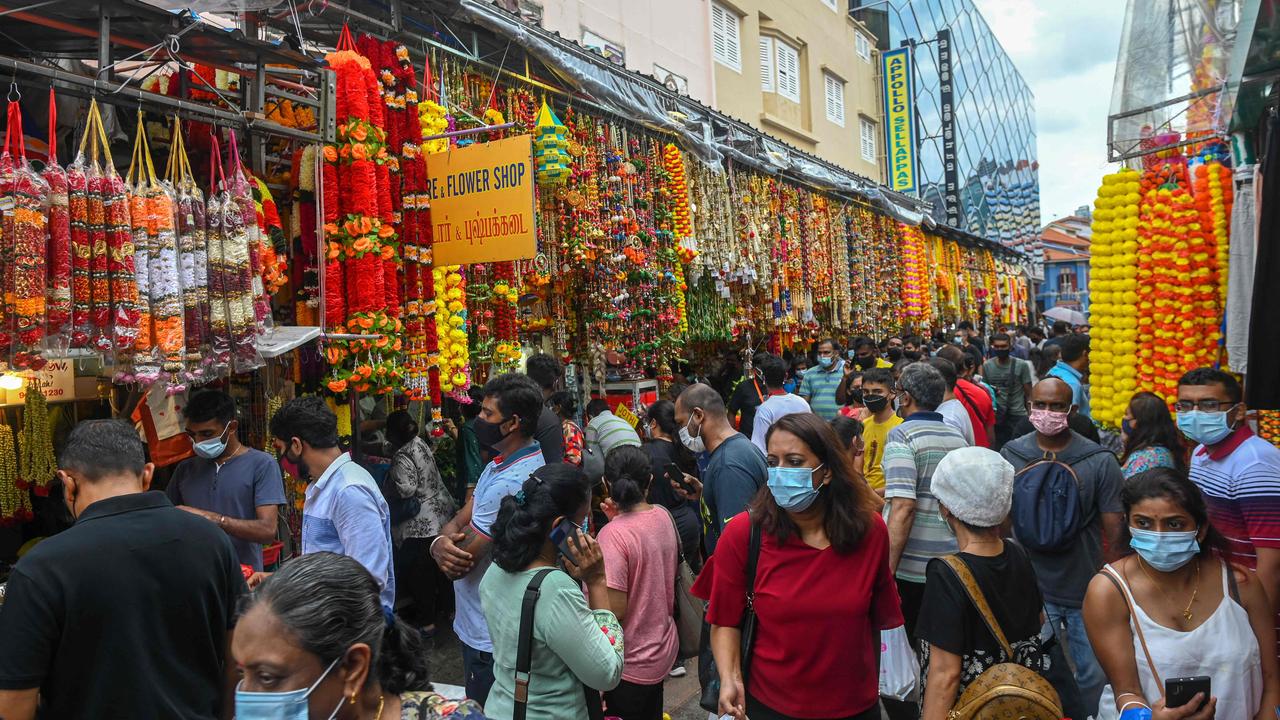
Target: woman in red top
x=823, y=589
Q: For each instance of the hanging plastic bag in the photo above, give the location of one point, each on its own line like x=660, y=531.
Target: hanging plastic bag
x=242, y=195
x=230, y=278
x=899, y=668
x=26, y=217
x=59, y=300
x=193, y=263
x=160, y=346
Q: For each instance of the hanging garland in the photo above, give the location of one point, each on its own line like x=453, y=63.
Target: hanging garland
x=15, y=505
x=37, y=464
x=59, y=303
x=193, y=258
x=25, y=192
x=1113, y=296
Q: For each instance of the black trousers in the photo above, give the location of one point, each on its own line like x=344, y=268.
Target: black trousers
x=423, y=582
x=631, y=701
x=758, y=711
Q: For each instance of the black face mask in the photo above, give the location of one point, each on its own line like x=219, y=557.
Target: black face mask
x=488, y=434
x=304, y=472
x=895, y=354
x=875, y=403
x=865, y=363
x=912, y=355
x=855, y=396
x=1001, y=353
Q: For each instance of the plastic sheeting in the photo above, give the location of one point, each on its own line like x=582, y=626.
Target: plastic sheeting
x=1170, y=74
x=701, y=131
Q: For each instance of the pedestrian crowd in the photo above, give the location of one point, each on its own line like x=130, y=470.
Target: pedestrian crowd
x=918, y=527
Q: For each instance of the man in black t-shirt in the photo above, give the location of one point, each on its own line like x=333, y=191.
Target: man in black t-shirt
x=126, y=613
x=548, y=372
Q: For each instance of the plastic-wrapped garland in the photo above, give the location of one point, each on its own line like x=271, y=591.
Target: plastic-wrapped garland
x=36, y=463
x=193, y=257
x=137, y=363
x=242, y=195
x=78, y=212
x=219, y=325
x=58, y=302
x=25, y=230
x=236, y=278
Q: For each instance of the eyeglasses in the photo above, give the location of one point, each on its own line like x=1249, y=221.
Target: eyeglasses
x=1055, y=407
x=1204, y=405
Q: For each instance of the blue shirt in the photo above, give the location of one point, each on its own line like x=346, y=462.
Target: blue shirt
x=503, y=476
x=345, y=513
x=819, y=388
x=1074, y=378
x=237, y=489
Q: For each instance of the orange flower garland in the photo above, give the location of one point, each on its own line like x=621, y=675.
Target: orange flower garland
x=673, y=163
x=916, y=280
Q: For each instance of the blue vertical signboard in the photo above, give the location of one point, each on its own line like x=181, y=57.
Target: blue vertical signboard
x=947, y=100
x=899, y=119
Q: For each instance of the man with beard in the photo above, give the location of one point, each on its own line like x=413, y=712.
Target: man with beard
x=344, y=511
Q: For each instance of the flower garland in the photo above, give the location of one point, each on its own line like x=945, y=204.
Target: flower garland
x=231, y=290
x=15, y=504
x=26, y=232
x=36, y=463
x=917, y=276
x=451, y=327
x=1214, y=197
x=193, y=258
x=673, y=162
x=272, y=247
x=1113, y=296
x=59, y=305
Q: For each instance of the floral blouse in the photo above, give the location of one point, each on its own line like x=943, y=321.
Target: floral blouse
x=1148, y=458
x=419, y=705
x=573, y=442
x=414, y=474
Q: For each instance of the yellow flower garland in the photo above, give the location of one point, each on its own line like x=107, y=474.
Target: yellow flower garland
x=1113, y=296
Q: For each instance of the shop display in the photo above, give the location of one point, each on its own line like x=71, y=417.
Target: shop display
x=25, y=231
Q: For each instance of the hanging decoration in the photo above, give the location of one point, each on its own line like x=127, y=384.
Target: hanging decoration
x=58, y=303
x=550, y=148
x=25, y=195
x=15, y=505
x=193, y=258
x=37, y=464
x=1113, y=296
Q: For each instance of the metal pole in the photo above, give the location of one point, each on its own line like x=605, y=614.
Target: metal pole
x=104, y=40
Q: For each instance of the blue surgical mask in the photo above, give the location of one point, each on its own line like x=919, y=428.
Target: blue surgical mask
x=793, y=488
x=1206, y=428
x=825, y=362
x=213, y=448
x=1165, y=551
x=290, y=705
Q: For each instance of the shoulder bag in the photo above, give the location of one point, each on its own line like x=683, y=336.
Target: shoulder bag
x=1006, y=689
x=688, y=610
x=710, y=700
x=524, y=655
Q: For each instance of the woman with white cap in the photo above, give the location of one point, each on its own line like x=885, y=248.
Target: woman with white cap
x=974, y=488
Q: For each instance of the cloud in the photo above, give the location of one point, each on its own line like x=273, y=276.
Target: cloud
x=1066, y=51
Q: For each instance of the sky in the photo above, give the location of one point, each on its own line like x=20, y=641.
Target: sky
x=1066, y=51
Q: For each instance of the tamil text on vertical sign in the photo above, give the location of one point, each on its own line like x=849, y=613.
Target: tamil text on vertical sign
x=947, y=99
x=899, y=119
x=482, y=202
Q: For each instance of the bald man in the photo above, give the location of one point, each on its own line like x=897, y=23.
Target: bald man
x=1064, y=576
x=735, y=468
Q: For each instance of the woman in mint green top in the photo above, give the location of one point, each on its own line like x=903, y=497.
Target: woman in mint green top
x=576, y=642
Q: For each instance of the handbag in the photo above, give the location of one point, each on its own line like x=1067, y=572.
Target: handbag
x=709, y=673
x=1006, y=689
x=524, y=655
x=687, y=610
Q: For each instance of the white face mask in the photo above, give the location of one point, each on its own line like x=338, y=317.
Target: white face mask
x=694, y=443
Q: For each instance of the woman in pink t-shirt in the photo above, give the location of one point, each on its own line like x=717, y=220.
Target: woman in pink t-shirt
x=641, y=550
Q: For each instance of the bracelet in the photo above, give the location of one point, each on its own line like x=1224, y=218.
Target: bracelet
x=222, y=521
x=432, y=547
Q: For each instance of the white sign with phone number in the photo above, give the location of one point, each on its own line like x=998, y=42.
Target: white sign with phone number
x=57, y=381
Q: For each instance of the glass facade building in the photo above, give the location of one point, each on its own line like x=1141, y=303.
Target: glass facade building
x=997, y=189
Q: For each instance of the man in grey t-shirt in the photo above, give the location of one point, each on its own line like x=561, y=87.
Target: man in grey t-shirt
x=228, y=483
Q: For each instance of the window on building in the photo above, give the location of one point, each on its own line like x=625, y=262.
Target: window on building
x=726, y=45
x=834, y=88
x=867, y=136
x=766, y=64
x=864, y=47
x=1067, y=281
x=788, y=65
x=832, y=4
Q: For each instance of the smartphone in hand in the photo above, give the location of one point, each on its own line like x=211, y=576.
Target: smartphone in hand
x=676, y=475
x=1179, y=691
x=560, y=535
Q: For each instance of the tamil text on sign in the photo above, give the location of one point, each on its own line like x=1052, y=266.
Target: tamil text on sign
x=482, y=202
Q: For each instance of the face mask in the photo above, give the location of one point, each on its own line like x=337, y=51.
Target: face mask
x=855, y=396
x=693, y=442
x=897, y=404
x=1165, y=551
x=489, y=434
x=865, y=363
x=800, y=373
x=304, y=472
x=1206, y=428
x=875, y=403
x=912, y=355
x=894, y=355
x=825, y=362
x=1049, y=422
x=212, y=448
x=792, y=488
x=1126, y=427
x=959, y=339
x=1001, y=353
x=290, y=705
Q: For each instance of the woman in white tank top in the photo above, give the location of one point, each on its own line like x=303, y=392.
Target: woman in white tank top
x=1196, y=615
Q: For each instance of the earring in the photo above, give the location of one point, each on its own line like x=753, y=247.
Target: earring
x=354, y=695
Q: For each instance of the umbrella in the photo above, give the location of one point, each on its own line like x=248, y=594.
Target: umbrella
x=1067, y=315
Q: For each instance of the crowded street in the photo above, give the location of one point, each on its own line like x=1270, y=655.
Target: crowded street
x=640, y=360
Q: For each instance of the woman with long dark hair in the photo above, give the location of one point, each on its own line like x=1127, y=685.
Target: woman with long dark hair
x=823, y=589
x=568, y=649
x=641, y=552
x=1151, y=438
x=1176, y=609
x=314, y=641
x=670, y=461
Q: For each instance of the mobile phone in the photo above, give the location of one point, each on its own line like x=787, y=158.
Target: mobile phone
x=1179, y=691
x=560, y=535
x=677, y=475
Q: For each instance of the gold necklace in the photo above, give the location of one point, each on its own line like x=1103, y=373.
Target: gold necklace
x=1186, y=612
